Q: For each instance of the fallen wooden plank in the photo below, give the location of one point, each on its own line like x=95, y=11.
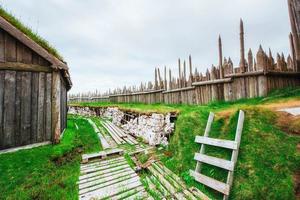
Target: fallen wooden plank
x=116, y=138
x=128, y=193
x=159, y=186
x=198, y=193
x=210, y=182
x=104, y=143
x=113, y=189
x=217, y=142
x=218, y=162
x=164, y=182
x=152, y=187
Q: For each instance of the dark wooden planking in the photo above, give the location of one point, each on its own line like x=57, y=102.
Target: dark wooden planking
x=2, y=74
x=26, y=108
x=34, y=106
x=9, y=108
x=48, y=115
x=10, y=48
x=27, y=55
x=20, y=48
x=35, y=58
x=41, y=110
x=18, y=97
x=2, y=46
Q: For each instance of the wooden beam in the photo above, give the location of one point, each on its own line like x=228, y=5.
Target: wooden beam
x=211, y=82
x=56, y=114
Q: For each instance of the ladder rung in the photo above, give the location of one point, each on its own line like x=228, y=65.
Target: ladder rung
x=218, y=162
x=210, y=182
x=217, y=142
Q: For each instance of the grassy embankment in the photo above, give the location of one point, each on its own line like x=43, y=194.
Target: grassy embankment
x=268, y=156
x=48, y=172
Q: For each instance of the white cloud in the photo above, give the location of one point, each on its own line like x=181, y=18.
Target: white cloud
x=108, y=43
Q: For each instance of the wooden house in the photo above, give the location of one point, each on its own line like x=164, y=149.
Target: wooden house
x=33, y=90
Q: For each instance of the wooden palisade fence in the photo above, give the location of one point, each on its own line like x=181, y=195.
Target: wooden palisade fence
x=255, y=76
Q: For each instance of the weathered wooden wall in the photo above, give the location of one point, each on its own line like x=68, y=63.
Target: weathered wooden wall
x=231, y=88
x=25, y=95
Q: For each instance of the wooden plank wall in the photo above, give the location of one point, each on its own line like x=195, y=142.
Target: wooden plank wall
x=63, y=105
x=25, y=96
x=248, y=85
x=24, y=108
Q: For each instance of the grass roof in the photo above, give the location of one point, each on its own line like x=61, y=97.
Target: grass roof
x=29, y=32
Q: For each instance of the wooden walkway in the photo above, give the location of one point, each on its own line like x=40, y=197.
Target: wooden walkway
x=167, y=185
x=110, y=179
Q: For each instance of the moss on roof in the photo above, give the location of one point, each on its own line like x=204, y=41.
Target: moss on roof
x=29, y=32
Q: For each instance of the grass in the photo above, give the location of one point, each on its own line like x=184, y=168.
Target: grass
x=268, y=157
x=28, y=32
x=48, y=172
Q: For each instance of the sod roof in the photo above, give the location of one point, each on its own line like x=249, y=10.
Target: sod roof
x=29, y=33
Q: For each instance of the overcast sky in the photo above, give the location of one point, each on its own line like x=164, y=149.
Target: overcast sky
x=111, y=43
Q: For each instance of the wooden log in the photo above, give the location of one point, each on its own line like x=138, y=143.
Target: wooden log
x=56, y=117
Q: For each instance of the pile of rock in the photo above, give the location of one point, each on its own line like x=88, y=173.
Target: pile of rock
x=115, y=114
x=154, y=129
x=84, y=111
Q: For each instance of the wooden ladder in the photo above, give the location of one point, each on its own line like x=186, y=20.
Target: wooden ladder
x=200, y=157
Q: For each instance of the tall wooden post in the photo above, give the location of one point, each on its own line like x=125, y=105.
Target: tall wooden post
x=242, y=47
x=179, y=72
x=191, y=70
x=184, y=74
x=294, y=13
x=170, y=79
x=56, y=114
x=220, y=58
x=165, y=74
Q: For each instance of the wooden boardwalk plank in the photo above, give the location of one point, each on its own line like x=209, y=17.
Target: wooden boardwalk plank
x=94, y=178
x=105, y=179
x=104, y=162
x=116, y=180
x=94, y=169
x=122, y=167
x=113, y=189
